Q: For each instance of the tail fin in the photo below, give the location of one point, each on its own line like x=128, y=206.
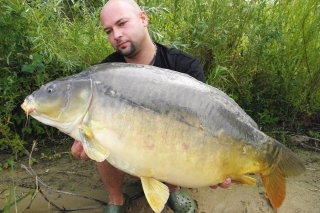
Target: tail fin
x=275, y=182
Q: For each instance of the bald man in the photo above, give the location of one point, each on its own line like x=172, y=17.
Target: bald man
x=126, y=26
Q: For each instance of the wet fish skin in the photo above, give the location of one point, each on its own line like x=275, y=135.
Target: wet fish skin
x=162, y=125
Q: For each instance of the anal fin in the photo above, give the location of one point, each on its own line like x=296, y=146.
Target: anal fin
x=244, y=179
x=156, y=193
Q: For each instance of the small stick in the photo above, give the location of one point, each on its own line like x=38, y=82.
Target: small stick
x=32, y=173
x=38, y=189
x=309, y=147
x=38, y=180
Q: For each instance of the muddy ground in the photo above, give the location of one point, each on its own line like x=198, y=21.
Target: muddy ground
x=61, y=172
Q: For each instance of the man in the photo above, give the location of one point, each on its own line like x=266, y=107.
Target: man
x=126, y=26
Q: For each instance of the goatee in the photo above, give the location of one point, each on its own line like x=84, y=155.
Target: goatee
x=128, y=53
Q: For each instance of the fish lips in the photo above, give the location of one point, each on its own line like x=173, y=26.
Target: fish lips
x=27, y=105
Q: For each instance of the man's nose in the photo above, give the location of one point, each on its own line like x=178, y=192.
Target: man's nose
x=117, y=33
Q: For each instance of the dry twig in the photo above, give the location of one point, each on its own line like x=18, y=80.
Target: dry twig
x=302, y=140
x=38, y=189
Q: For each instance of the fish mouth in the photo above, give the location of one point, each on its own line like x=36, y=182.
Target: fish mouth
x=27, y=107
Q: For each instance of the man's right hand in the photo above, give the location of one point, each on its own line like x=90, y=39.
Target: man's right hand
x=78, y=151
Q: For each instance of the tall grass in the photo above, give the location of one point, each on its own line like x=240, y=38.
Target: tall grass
x=264, y=54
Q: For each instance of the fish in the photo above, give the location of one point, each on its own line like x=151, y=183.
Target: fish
x=163, y=126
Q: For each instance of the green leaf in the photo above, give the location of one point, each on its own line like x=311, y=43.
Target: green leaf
x=28, y=68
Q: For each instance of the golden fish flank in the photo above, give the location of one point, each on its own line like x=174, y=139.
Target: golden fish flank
x=161, y=125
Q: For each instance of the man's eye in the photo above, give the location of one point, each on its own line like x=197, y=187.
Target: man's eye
x=108, y=31
x=122, y=23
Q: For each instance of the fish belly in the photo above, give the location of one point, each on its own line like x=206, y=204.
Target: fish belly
x=144, y=143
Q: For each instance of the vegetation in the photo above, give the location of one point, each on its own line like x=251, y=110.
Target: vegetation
x=264, y=54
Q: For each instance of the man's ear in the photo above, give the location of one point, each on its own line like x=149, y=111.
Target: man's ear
x=144, y=18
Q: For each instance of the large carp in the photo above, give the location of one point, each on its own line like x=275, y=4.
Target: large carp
x=163, y=126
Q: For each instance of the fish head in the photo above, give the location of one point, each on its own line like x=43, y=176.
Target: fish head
x=60, y=103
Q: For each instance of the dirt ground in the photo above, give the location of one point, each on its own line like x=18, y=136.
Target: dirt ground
x=61, y=172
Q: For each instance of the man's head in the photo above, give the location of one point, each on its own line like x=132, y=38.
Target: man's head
x=126, y=26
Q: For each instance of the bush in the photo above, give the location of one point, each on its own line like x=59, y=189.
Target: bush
x=42, y=40
x=264, y=54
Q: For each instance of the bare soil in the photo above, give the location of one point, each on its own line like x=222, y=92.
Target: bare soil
x=60, y=171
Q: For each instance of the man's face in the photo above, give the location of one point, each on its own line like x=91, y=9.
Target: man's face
x=124, y=27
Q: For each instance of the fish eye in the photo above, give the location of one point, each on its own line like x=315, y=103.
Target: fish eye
x=51, y=88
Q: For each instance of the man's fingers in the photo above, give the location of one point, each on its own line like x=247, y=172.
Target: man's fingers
x=84, y=156
x=78, y=151
x=224, y=185
x=214, y=187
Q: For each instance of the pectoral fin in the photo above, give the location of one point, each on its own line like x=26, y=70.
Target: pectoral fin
x=156, y=193
x=93, y=149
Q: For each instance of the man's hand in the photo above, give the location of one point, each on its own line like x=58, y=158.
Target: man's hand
x=78, y=152
x=224, y=185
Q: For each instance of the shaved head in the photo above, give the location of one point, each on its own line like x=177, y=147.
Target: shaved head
x=130, y=5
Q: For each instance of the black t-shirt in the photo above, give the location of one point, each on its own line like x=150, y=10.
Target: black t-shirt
x=169, y=58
